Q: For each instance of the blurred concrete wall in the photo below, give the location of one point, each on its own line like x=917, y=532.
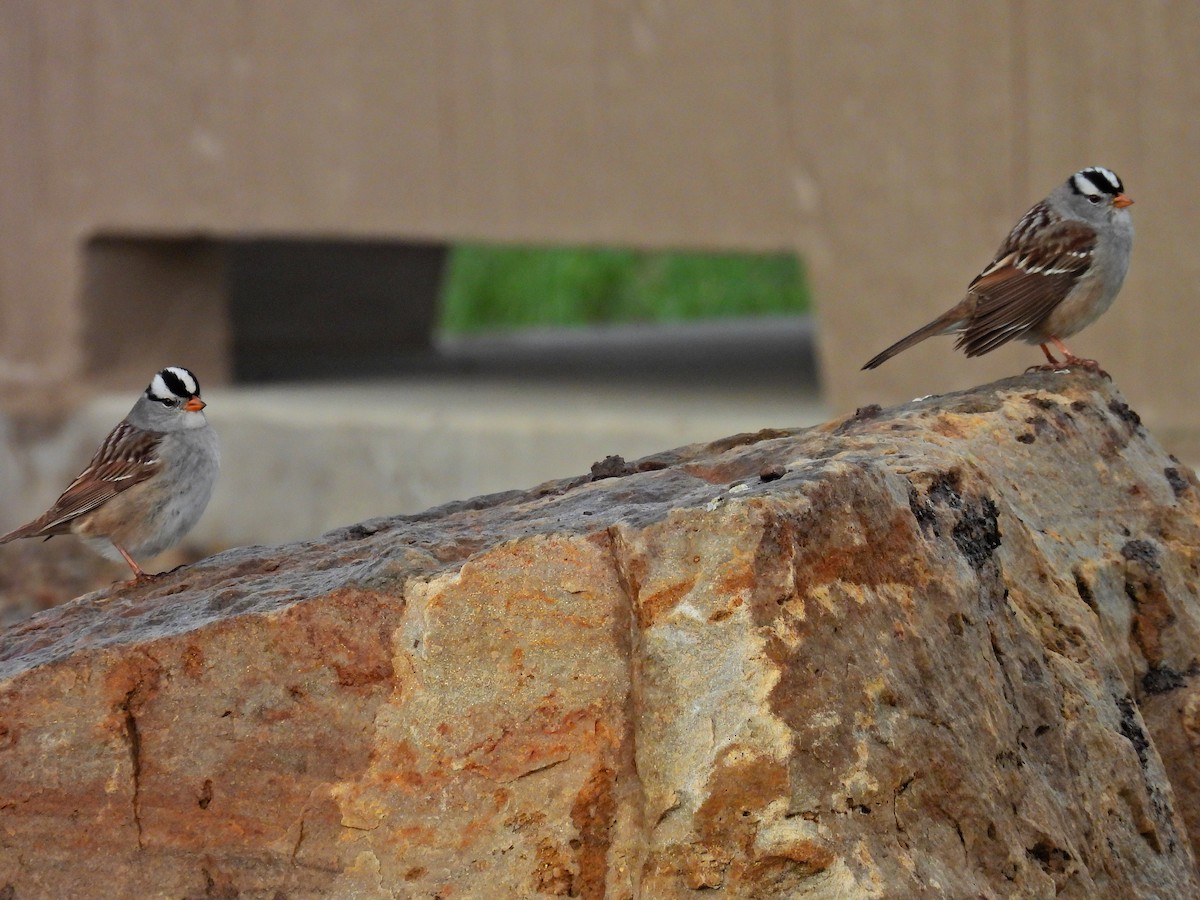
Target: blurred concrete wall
x=892, y=144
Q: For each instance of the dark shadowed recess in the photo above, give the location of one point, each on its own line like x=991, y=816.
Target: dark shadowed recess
x=280, y=309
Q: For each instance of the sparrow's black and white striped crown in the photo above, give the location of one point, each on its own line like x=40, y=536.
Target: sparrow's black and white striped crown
x=174, y=383
x=1096, y=181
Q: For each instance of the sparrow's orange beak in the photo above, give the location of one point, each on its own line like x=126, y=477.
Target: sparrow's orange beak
x=195, y=404
x=1121, y=201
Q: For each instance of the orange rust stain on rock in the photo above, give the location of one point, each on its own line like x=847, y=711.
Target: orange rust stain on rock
x=552, y=873
x=473, y=829
x=864, y=549
x=193, y=661
x=275, y=715
x=725, y=612
x=396, y=764
x=363, y=675
x=408, y=779
x=656, y=605
x=632, y=573
x=810, y=854
x=698, y=866
x=705, y=869
x=519, y=821
x=741, y=785
x=947, y=428
x=593, y=814
x=415, y=835
x=129, y=685
x=542, y=755
x=743, y=579
x=1152, y=606
x=136, y=672
x=336, y=633
x=546, y=735
x=801, y=857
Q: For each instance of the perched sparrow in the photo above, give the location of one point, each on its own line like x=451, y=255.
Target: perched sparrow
x=149, y=481
x=1055, y=274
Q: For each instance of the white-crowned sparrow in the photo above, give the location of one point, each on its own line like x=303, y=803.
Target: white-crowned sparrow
x=149, y=481
x=1056, y=272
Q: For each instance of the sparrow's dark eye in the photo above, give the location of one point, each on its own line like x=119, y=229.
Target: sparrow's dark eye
x=1093, y=199
x=168, y=401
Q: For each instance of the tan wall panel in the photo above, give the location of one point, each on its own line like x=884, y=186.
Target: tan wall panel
x=694, y=126
x=536, y=121
x=39, y=318
x=893, y=144
x=1084, y=93
x=521, y=131
x=906, y=117
x=1135, y=93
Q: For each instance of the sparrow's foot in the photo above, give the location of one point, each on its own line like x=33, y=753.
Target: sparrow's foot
x=141, y=578
x=1088, y=365
x=1071, y=362
x=1055, y=366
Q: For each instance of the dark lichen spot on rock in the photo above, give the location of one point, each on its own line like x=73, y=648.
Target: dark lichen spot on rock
x=358, y=532
x=1084, y=590
x=1026, y=438
x=1143, y=552
x=1178, y=483
x=1042, y=402
x=922, y=511
x=944, y=490
x=976, y=529
x=1161, y=680
x=1052, y=859
x=862, y=414
x=1132, y=730
x=1125, y=414
x=772, y=473
x=977, y=532
x=1078, y=405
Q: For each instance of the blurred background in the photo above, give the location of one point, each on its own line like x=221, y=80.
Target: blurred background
x=425, y=250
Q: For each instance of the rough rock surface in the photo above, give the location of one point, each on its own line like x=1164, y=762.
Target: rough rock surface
x=38, y=574
x=947, y=650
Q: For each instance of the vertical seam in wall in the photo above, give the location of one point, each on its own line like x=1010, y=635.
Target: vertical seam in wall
x=1019, y=77
x=785, y=98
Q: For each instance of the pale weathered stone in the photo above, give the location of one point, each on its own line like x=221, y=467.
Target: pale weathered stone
x=950, y=649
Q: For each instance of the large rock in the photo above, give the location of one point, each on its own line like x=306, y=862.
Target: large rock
x=949, y=649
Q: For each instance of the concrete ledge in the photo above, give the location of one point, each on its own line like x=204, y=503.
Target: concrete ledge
x=299, y=459
x=776, y=350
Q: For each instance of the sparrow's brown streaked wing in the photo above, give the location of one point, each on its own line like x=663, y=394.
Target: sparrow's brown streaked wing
x=127, y=457
x=1027, y=280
